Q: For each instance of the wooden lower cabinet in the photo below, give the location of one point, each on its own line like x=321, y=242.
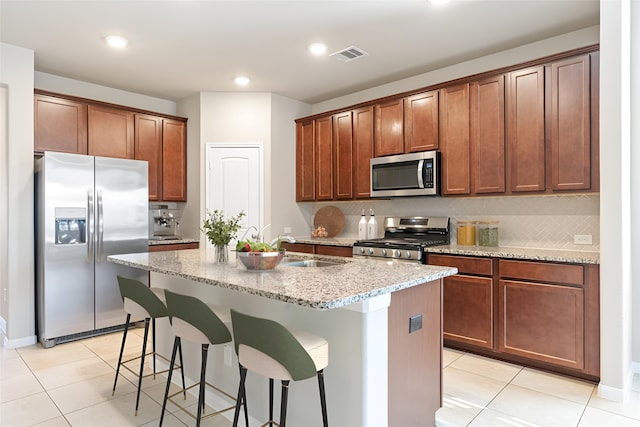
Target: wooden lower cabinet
x=534, y=313
x=173, y=247
x=468, y=310
x=344, y=251
x=542, y=322
x=467, y=307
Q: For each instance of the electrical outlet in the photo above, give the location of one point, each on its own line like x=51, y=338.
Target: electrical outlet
x=4, y=294
x=582, y=239
x=287, y=230
x=227, y=355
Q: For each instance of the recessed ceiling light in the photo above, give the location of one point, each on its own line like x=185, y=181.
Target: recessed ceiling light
x=318, y=48
x=116, y=41
x=438, y=1
x=242, y=81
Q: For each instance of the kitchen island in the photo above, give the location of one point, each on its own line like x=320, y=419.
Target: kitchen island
x=382, y=321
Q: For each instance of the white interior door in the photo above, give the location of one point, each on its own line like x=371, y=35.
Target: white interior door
x=235, y=182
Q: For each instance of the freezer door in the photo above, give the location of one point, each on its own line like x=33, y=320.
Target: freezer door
x=64, y=266
x=122, y=226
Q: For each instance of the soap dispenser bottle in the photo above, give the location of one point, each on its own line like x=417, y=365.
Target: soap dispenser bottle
x=372, y=226
x=362, y=227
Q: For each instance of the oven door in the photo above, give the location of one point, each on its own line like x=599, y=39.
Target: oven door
x=413, y=174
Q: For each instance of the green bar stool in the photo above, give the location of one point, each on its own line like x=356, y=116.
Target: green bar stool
x=271, y=350
x=141, y=301
x=204, y=324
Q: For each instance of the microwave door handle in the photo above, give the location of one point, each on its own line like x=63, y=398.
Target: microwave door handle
x=420, y=173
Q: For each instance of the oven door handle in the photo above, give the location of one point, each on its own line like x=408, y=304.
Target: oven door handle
x=420, y=173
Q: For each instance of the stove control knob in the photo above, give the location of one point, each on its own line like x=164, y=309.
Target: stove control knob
x=397, y=253
x=407, y=254
x=361, y=250
x=384, y=252
x=370, y=251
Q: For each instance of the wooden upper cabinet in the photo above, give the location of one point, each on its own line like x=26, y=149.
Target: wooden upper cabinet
x=362, y=151
x=174, y=160
x=389, y=128
x=454, y=139
x=148, y=146
x=343, y=155
x=570, y=123
x=110, y=132
x=421, y=122
x=525, y=130
x=60, y=125
x=324, y=158
x=595, y=121
x=487, y=136
x=305, y=162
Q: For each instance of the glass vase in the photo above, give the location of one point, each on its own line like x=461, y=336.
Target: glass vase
x=221, y=254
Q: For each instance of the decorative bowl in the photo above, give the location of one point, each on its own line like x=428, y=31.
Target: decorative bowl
x=260, y=260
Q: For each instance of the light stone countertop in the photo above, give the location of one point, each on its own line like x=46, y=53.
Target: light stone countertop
x=527, y=254
x=328, y=241
x=351, y=281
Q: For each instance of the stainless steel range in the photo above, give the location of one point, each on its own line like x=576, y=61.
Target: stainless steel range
x=405, y=239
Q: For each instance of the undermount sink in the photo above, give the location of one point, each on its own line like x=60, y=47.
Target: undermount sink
x=309, y=263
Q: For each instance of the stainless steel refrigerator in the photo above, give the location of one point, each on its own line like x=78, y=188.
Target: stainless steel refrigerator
x=86, y=209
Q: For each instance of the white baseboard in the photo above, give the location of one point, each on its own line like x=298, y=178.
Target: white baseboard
x=21, y=342
x=618, y=394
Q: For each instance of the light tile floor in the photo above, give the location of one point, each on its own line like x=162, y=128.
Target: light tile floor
x=70, y=385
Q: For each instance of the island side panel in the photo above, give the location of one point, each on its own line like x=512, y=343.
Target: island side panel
x=415, y=358
x=355, y=379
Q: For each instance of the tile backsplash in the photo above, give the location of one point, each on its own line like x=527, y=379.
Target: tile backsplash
x=545, y=221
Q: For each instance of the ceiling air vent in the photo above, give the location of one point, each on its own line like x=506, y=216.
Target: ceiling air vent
x=349, y=54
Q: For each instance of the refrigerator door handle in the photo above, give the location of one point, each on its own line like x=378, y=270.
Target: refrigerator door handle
x=100, y=226
x=90, y=224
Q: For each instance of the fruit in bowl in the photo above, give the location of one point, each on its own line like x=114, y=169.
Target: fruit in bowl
x=258, y=255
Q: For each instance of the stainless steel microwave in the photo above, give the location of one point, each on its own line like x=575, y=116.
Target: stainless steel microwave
x=415, y=174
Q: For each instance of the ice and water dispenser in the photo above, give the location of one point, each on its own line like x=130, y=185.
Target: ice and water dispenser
x=70, y=226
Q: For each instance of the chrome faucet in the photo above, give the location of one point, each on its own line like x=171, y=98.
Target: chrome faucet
x=280, y=238
x=253, y=236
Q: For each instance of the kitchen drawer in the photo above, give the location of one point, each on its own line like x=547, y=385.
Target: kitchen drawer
x=298, y=247
x=464, y=264
x=173, y=247
x=569, y=274
x=344, y=251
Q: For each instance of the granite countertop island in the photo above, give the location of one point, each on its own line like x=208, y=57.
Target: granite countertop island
x=347, y=282
x=372, y=313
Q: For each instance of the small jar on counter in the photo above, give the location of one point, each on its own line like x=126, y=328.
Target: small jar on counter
x=466, y=232
x=488, y=233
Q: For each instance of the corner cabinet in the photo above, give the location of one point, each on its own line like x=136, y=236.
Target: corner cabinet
x=535, y=313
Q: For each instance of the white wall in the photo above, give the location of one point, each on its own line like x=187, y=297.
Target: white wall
x=189, y=225
x=66, y=86
x=615, y=261
x=252, y=117
x=635, y=176
x=4, y=209
x=286, y=212
x=562, y=43
x=16, y=73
